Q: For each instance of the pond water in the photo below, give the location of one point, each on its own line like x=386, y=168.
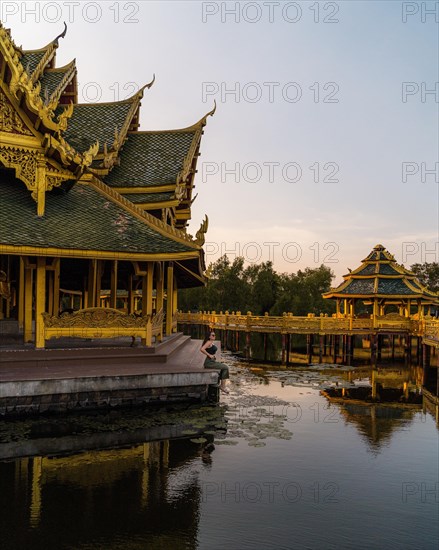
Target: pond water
x=274, y=466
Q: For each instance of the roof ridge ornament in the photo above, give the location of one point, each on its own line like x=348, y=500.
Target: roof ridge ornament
x=200, y=235
x=62, y=35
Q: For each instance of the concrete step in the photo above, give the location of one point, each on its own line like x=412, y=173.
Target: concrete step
x=94, y=355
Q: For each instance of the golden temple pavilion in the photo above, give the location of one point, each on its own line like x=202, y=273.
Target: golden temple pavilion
x=383, y=285
x=90, y=206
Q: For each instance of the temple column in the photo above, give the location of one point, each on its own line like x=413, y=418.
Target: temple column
x=113, y=289
x=169, y=292
x=92, y=274
x=130, y=305
x=55, y=290
x=28, y=301
x=40, y=302
x=100, y=265
x=147, y=288
x=175, y=309
x=159, y=288
x=20, y=312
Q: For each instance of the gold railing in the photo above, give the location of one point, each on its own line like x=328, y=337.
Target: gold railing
x=431, y=330
x=311, y=324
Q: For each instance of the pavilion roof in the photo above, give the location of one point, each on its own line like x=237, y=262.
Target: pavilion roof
x=83, y=220
x=381, y=276
x=96, y=163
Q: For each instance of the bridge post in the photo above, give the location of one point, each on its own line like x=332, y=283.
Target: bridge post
x=379, y=340
x=283, y=350
x=309, y=346
x=335, y=347
x=373, y=349
x=349, y=350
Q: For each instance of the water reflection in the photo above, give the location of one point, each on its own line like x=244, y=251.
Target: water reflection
x=275, y=449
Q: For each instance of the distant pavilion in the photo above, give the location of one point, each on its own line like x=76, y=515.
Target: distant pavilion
x=385, y=285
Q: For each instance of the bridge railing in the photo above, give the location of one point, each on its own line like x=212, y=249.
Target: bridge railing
x=311, y=324
x=431, y=330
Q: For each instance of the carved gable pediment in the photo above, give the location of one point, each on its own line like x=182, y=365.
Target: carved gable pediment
x=10, y=120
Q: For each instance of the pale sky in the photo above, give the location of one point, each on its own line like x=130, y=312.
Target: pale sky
x=325, y=138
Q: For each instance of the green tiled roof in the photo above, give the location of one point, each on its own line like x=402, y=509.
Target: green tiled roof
x=80, y=219
x=151, y=158
x=91, y=122
x=387, y=269
x=393, y=286
x=359, y=286
x=137, y=198
x=367, y=270
x=30, y=61
x=50, y=81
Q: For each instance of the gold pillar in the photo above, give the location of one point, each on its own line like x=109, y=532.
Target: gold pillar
x=99, y=272
x=174, y=304
x=28, y=303
x=92, y=275
x=113, y=294
x=159, y=288
x=130, y=305
x=21, y=295
x=40, y=302
x=147, y=288
x=169, y=296
x=56, y=276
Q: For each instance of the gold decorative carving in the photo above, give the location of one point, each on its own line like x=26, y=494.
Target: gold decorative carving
x=180, y=191
x=200, y=235
x=157, y=320
x=9, y=118
x=24, y=162
x=5, y=287
x=95, y=317
x=64, y=116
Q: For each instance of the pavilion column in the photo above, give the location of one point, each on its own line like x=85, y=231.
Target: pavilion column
x=99, y=272
x=159, y=289
x=21, y=295
x=175, y=304
x=147, y=288
x=56, y=277
x=92, y=277
x=170, y=293
x=337, y=307
x=113, y=289
x=130, y=305
x=40, y=302
x=28, y=301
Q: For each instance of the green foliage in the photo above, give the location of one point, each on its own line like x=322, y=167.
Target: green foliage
x=428, y=274
x=259, y=289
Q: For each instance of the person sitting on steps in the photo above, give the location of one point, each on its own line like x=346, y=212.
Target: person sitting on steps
x=209, y=349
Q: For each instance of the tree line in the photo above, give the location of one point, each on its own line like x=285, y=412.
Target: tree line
x=259, y=288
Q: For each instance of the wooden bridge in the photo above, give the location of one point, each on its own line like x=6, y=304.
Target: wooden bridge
x=427, y=327
x=341, y=331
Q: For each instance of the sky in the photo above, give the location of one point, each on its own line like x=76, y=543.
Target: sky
x=325, y=138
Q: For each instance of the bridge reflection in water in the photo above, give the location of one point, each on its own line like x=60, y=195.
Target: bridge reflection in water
x=104, y=481
x=336, y=339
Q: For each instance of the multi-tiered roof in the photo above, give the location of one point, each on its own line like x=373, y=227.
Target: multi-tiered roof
x=380, y=276
x=98, y=182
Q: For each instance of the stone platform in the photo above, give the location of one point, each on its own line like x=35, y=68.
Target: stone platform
x=96, y=375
